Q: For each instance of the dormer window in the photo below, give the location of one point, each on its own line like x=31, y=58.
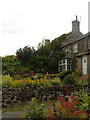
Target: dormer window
x=75, y=48
x=67, y=51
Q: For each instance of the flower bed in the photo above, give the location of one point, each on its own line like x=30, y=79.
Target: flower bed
x=66, y=109
x=62, y=109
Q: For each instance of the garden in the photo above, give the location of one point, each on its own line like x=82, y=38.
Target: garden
x=49, y=96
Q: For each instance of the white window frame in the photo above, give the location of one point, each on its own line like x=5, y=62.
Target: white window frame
x=65, y=64
x=75, y=48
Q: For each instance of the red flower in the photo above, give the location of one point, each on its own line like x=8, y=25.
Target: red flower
x=71, y=96
x=64, y=104
x=48, y=108
x=61, y=99
x=70, y=113
x=55, y=109
x=64, y=101
x=48, y=118
x=87, y=114
x=53, y=103
x=56, y=114
x=74, y=107
x=58, y=97
x=79, y=111
x=72, y=103
x=55, y=118
x=75, y=112
x=50, y=114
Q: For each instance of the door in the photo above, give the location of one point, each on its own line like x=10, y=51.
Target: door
x=84, y=65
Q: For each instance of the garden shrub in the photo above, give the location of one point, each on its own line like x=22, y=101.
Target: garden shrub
x=82, y=80
x=69, y=79
x=35, y=112
x=6, y=81
x=66, y=109
x=83, y=100
x=63, y=74
x=52, y=76
x=18, y=83
x=36, y=77
x=78, y=73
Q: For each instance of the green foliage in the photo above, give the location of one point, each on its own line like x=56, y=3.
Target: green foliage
x=82, y=80
x=83, y=100
x=35, y=112
x=44, y=59
x=24, y=55
x=52, y=76
x=10, y=65
x=78, y=73
x=39, y=64
x=69, y=79
x=63, y=74
x=6, y=81
x=56, y=53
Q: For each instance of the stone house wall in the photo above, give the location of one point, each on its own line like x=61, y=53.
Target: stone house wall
x=82, y=48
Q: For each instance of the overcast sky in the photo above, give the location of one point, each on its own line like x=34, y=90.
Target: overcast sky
x=27, y=22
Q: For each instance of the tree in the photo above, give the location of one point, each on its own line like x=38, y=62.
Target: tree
x=24, y=55
x=39, y=64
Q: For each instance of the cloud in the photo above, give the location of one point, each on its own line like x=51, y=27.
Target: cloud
x=12, y=27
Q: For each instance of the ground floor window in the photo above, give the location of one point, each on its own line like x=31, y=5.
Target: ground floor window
x=64, y=64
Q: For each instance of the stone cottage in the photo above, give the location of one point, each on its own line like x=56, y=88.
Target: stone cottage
x=77, y=47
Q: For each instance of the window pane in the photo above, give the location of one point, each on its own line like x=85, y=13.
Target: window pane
x=75, y=48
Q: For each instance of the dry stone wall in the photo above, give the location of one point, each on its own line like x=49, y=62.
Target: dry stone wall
x=12, y=96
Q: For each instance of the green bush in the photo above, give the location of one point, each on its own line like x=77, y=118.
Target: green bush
x=35, y=112
x=6, y=81
x=78, y=73
x=63, y=74
x=52, y=75
x=69, y=79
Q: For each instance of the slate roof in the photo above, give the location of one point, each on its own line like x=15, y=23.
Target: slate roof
x=81, y=38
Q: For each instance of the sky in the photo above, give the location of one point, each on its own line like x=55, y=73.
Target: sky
x=28, y=22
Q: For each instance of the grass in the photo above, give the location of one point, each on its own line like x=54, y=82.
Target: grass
x=22, y=107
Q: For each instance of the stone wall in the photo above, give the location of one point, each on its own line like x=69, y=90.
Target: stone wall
x=12, y=96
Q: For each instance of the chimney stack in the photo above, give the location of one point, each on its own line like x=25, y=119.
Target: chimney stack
x=47, y=41
x=75, y=26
